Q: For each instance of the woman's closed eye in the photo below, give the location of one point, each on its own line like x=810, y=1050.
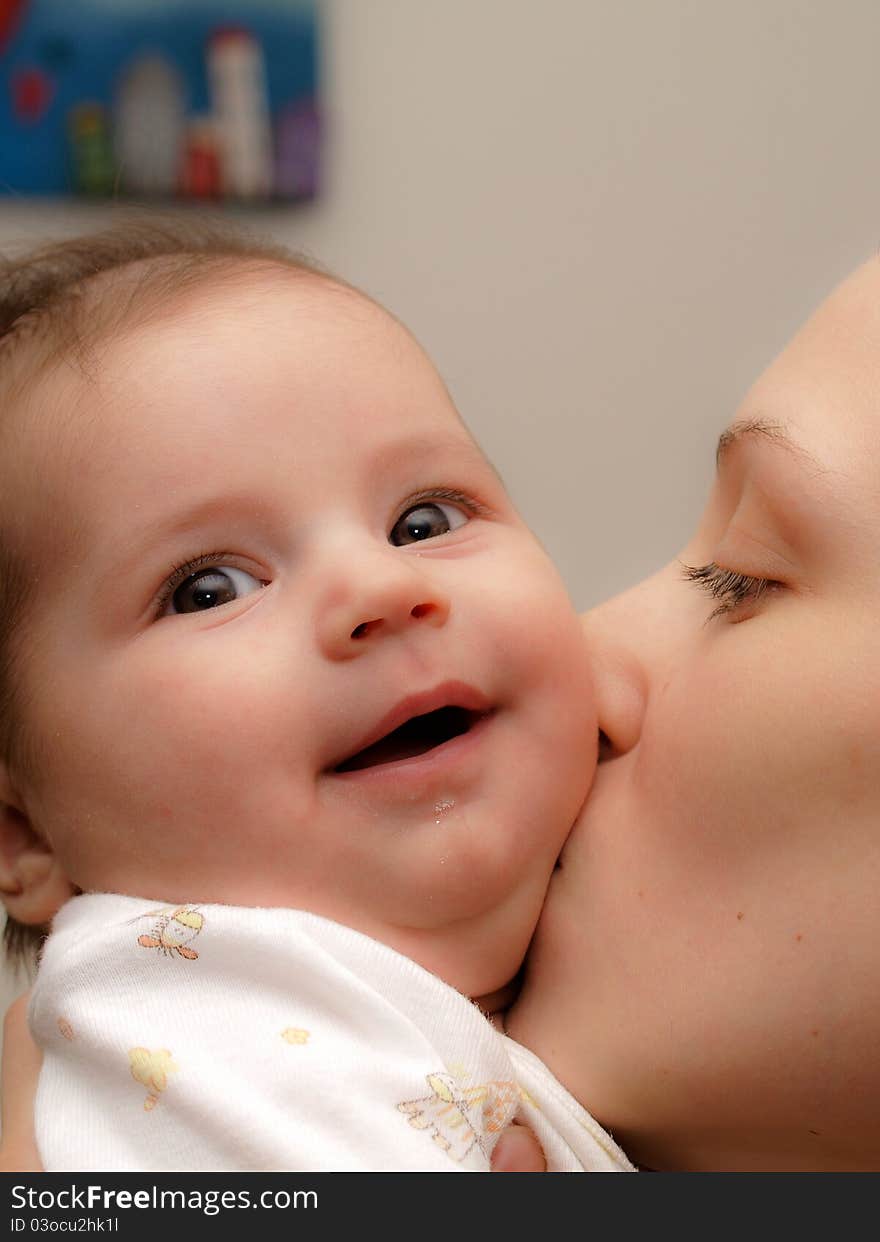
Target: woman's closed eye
x=733, y=591
x=205, y=584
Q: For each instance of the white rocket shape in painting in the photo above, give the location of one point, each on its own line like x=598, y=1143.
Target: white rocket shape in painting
x=239, y=98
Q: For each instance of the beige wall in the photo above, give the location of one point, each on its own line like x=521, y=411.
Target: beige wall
x=602, y=217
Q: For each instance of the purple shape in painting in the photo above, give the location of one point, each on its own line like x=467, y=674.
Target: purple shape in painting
x=297, y=144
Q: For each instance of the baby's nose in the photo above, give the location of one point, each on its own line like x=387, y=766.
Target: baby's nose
x=391, y=601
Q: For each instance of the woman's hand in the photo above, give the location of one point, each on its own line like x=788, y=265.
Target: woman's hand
x=518, y=1151
x=20, y=1069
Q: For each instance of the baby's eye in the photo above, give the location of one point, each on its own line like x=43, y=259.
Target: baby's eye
x=211, y=587
x=426, y=520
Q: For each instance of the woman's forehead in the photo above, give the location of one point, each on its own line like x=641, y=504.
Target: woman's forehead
x=824, y=387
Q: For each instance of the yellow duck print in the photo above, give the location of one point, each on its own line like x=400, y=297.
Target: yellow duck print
x=295, y=1035
x=457, y=1117
x=174, y=931
x=151, y=1070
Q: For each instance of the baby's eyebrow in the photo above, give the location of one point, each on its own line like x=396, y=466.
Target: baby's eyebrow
x=763, y=429
x=225, y=507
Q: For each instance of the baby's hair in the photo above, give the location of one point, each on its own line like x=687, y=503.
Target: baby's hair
x=69, y=294
x=61, y=300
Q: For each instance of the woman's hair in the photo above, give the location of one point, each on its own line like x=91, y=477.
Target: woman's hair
x=63, y=299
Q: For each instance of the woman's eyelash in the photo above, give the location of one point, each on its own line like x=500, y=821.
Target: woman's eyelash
x=180, y=573
x=725, y=585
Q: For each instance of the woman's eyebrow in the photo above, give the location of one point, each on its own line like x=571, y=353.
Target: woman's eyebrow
x=769, y=432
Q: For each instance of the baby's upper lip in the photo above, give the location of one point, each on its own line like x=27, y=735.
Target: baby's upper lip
x=447, y=694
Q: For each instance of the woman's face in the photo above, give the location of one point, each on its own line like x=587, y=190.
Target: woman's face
x=706, y=976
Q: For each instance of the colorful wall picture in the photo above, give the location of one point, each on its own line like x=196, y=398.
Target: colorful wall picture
x=160, y=99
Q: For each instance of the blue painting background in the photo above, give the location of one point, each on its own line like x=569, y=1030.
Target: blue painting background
x=78, y=48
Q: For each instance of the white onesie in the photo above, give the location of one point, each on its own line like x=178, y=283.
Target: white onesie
x=201, y=1038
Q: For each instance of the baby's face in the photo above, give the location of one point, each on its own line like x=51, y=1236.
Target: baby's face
x=265, y=543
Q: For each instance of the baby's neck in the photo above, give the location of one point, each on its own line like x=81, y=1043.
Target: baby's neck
x=495, y=1004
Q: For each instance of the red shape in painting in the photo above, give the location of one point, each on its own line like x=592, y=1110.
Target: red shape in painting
x=32, y=92
x=10, y=12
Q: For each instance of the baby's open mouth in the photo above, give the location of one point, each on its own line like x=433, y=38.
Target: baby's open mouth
x=415, y=736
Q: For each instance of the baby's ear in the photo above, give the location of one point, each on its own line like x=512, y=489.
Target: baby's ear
x=33, y=886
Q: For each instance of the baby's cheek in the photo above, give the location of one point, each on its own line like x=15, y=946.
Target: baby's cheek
x=547, y=635
x=164, y=762
x=567, y=672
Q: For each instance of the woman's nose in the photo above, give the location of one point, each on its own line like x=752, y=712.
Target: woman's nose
x=627, y=638
x=391, y=595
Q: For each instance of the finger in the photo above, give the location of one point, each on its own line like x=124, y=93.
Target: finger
x=518, y=1151
x=20, y=1070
